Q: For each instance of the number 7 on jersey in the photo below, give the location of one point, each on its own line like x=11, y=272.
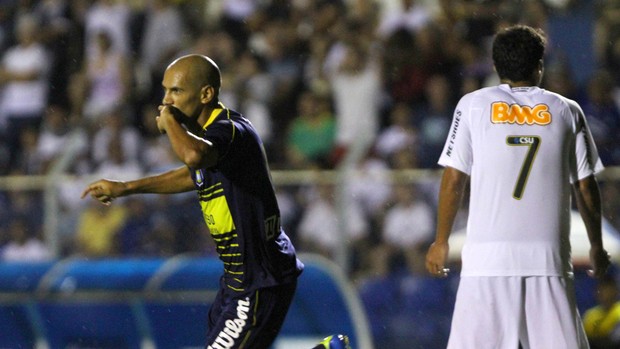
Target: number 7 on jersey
x=533, y=143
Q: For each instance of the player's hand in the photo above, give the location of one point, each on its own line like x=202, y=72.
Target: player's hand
x=105, y=191
x=166, y=115
x=600, y=260
x=436, y=259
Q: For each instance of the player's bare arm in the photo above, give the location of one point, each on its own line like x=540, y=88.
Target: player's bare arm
x=171, y=182
x=451, y=194
x=588, y=200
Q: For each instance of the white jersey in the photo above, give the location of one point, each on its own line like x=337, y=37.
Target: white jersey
x=522, y=148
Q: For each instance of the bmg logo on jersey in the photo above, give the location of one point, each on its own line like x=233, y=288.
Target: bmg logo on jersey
x=504, y=113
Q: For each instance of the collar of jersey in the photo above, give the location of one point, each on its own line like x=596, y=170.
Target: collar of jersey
x=519, y=88
x=214, y=114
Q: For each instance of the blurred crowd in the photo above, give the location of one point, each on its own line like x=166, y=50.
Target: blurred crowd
x=316, y=78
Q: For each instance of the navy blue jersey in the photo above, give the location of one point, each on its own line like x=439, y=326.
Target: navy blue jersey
x=240, y=208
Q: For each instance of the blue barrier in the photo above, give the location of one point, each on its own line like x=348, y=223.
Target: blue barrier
x=153, y=303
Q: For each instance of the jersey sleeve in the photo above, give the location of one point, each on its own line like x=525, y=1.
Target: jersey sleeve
x=221, y=134
x=587, y=161
x=457, y=151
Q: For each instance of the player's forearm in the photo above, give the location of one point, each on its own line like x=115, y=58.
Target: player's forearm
x=193, y=151
x=450, y=197
x=588, y=198
x=171, y=182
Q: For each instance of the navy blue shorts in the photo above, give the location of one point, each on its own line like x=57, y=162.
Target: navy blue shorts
x=248, y=321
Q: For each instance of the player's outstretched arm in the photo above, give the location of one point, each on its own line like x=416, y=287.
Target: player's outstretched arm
x=451, y=194
x=171, y=182
x=588, y=198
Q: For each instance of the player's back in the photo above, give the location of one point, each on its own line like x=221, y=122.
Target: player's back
x=519, y=146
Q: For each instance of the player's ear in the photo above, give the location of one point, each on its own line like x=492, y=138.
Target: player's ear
x=540, y=71
x=207, y=94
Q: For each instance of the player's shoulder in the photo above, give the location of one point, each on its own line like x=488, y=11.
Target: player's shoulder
x=561, y=100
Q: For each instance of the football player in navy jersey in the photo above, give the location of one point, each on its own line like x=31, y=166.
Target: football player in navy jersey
x=225, y=163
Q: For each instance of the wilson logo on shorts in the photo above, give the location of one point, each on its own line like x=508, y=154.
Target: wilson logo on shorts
x=234, y=328
x=504, y=113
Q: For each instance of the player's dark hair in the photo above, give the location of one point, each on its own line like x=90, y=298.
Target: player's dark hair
x=517, y=51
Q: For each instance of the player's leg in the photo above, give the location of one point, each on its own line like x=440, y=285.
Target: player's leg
x=552, y=316
x=487, y=313
x=252, y=321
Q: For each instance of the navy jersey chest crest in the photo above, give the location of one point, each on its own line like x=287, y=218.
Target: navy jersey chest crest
x=199, y=177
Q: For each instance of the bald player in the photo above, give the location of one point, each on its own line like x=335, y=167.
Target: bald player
x=225, y=163
x=523, y=149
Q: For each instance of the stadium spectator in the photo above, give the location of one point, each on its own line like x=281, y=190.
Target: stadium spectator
x=351, y=225
x=311, y=134
x=160, y=38
x=116, y=128
x=369, y=186
x=216, y=43
x=55, y=136
x=133, y=236
x=24, y=244
x=314, y=75
x=607, y=38
x=604, y=116
x=26, y=160
x=610, y=197
x=24, y=80
x=560, y=79
x=60, y=36
x=252, y=90
x=355, y=79
x=403, y=73
x=433, y=117
x=602, y=322
x=275, y=41
x=475, y=69
x=233, y=16
x=97, y=229
x=162, y=239
x=408, y=224
x=399, y=133
x=410, y=15
x=6, y=34
x=107, y=16
x=117, y=163
x=103, y=84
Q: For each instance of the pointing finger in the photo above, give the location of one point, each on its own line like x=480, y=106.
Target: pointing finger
x=86, y=192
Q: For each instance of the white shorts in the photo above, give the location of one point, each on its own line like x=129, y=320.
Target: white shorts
x=539, y=312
